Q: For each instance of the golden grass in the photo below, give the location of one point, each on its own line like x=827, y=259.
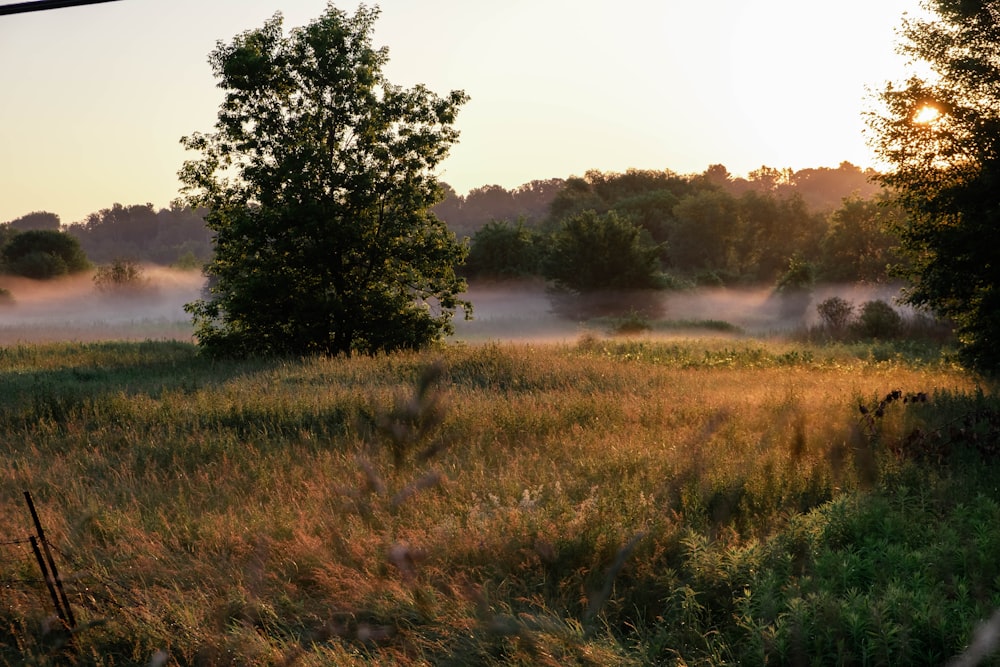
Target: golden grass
x=245, y=513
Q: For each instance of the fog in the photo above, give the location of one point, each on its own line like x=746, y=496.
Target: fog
x=73, y=309
x=523, y=311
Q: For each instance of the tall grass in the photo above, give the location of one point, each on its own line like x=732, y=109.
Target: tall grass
x=605, y=502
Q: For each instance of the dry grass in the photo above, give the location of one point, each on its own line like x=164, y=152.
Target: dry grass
x=259, y=514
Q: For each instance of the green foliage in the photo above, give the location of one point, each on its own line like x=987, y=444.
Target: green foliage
x=878, y=319
x=860, y=242
x=799, y=276
x=946, y=171
x=705, y=232
x=772, y=229
x=319, y=180
x=6, y=234
x=592, y=252
x=794, y=288
x=43, y=254
x=188, y=262
x=121, y=275
x=502, y=250
x=631, y=323
x=651, y=210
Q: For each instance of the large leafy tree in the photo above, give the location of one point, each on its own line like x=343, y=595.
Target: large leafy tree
x=504, y=250
x=940, y=132
x=318, y=181
x=42, y=254
x=591, y=252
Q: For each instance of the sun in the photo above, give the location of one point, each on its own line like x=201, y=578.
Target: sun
x=926, y=115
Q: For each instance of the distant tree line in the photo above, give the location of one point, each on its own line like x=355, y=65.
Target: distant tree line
x=38, y=246
x=143, y=234
x=636, y=229
x=832, y=225
x=467, y=214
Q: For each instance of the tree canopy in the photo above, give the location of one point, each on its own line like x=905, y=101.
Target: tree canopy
x=592, y=252
x=941, y=134
x=43, y=254
x=318, y=181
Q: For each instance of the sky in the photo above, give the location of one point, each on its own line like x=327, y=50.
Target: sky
x=94, y=99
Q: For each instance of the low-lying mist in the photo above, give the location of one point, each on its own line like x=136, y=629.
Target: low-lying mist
x=74, y=309
x=523, y=311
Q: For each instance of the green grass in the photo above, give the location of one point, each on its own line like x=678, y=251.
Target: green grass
x=614, y=501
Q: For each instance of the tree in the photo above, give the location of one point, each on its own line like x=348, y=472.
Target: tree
x=859, y=245
x=602, y=252
x=504, y=250
x=43, y=254
x=940, y=132
x=489, y=202
x=771, y=230
x=319, y=182
x=705, y=233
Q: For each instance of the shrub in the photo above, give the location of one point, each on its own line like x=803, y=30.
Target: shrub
x=188, y=262
x=631, y=323
x=878, y=320
x=709, y=279
x=836, y=313
x=121, y=274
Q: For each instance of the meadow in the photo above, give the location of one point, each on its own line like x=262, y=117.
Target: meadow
x=599, y=501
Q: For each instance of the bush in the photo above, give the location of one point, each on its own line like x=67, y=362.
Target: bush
x=631, y=323
x=836, y=314
x=188, y=262
x=120, y=275
x=878, y=320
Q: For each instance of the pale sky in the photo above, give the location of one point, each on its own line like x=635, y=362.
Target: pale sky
x=94, y=99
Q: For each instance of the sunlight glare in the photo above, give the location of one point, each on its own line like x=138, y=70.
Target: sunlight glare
x=926, y=115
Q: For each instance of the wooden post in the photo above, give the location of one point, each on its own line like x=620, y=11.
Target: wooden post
x=48, y=579
x=68, y=617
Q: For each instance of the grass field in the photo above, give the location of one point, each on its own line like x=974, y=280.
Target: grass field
x=598, y=502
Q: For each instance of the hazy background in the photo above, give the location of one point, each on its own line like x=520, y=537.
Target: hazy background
x=95, y=98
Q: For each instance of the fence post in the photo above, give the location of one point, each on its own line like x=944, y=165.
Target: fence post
x=68, y=616
x=47, y=578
